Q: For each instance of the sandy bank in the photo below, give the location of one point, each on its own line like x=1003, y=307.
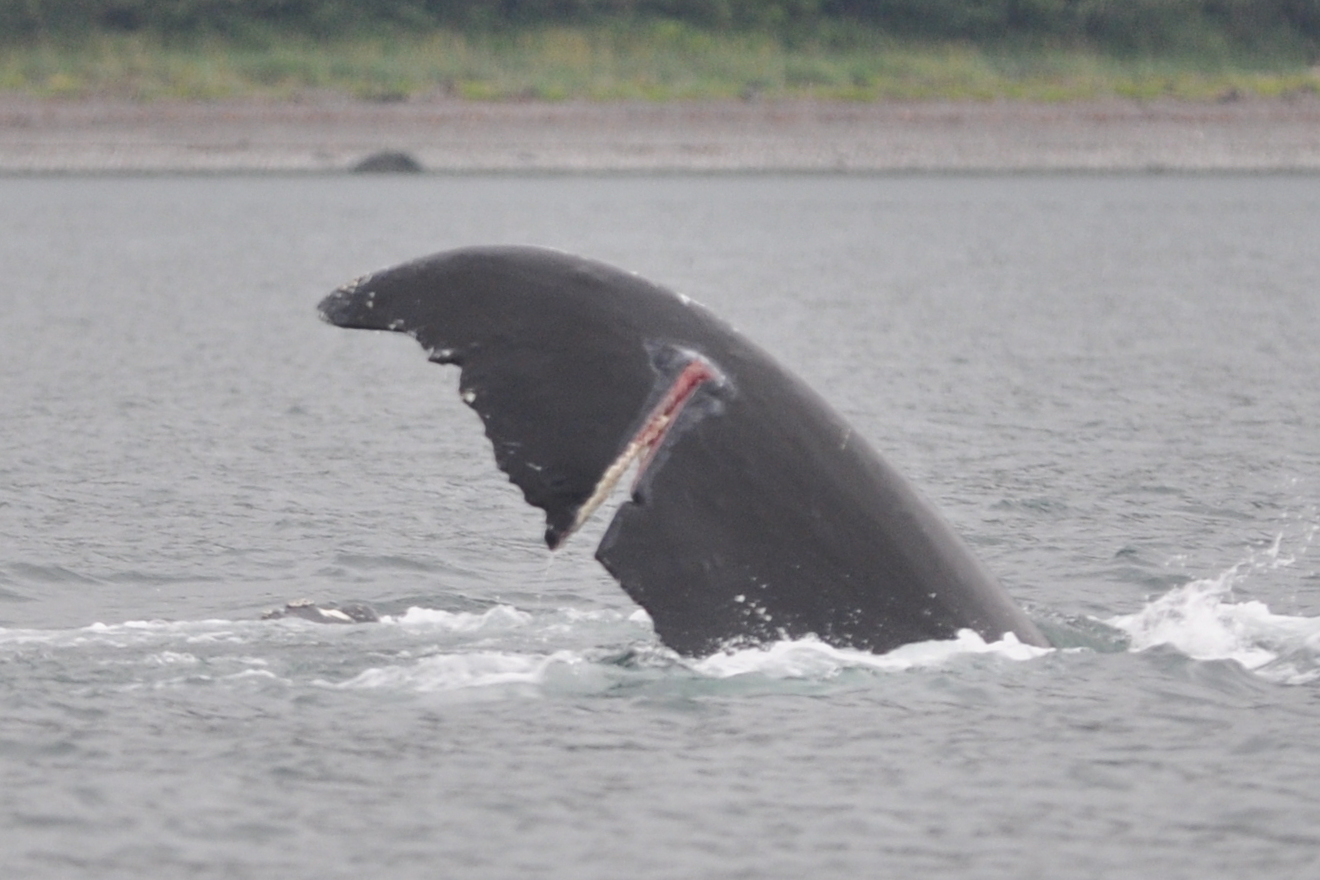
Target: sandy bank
x=118, y=136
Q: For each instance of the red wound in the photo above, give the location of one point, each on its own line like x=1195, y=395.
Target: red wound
x=653, y=431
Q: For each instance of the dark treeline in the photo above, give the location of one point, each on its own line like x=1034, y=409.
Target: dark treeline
x=1122, y=25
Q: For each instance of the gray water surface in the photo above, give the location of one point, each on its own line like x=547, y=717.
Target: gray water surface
x=1110, y=385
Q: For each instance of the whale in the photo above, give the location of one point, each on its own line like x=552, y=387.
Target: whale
x=754, y=512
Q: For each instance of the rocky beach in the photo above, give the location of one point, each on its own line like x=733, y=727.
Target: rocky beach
x=332, y=134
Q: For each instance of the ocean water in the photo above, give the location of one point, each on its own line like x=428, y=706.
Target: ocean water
x=1109, y=384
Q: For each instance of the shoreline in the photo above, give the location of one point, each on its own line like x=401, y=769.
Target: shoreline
x=449, y=135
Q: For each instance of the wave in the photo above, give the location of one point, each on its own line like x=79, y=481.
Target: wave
x=597, y=669
x=503, y=649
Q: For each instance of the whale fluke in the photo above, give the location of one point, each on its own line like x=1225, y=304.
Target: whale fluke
x=755, y=513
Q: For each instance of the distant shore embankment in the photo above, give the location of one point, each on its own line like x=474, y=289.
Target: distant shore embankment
x=450, y=135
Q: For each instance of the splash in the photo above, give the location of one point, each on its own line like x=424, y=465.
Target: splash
x=1202, y=620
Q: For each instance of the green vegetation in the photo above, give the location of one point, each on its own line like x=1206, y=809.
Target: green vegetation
x=1111, y=24
x=661, y=49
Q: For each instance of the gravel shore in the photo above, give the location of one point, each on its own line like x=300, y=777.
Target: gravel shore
x=63, y=136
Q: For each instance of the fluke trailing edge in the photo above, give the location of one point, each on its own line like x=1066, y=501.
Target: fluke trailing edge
x=756, y=513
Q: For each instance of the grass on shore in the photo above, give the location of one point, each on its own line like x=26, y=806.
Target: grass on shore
x=659, y=61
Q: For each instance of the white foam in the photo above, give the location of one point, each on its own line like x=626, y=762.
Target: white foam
x=170, y=658
x=1202, y=620
x=497, y=618
x=263, y=674
x=449, y=672
x=129, y=633
x=811, y=658
x=596, y=615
